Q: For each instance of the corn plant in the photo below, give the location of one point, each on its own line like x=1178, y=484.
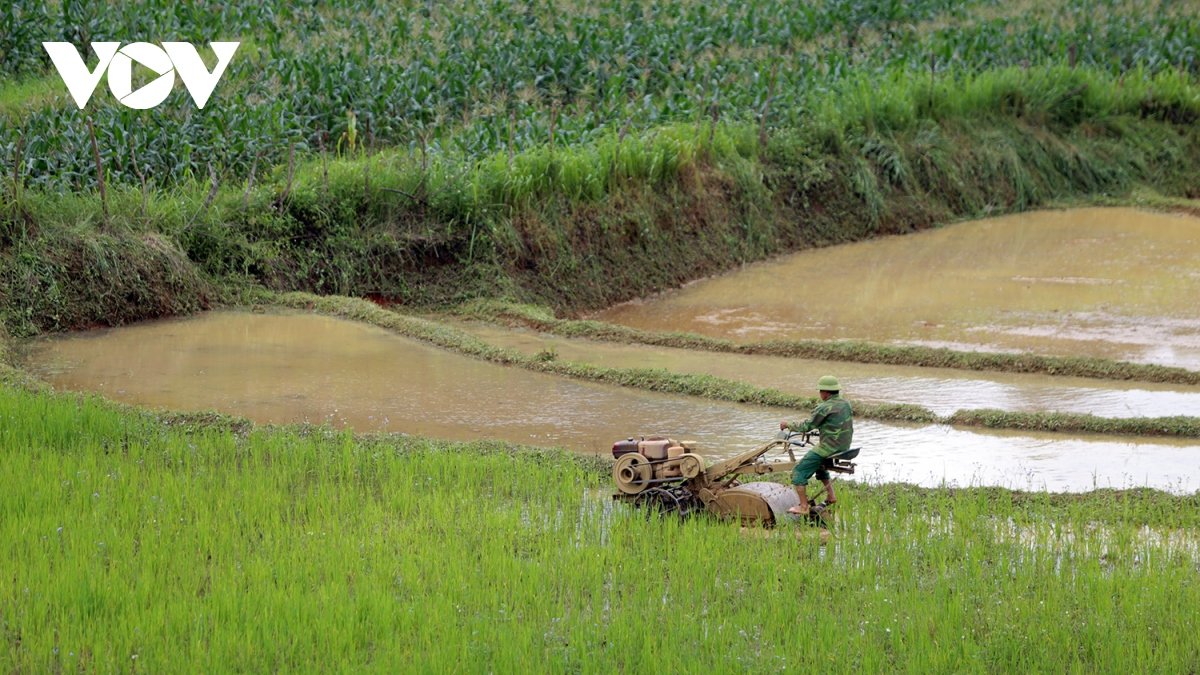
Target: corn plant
x=471, y=78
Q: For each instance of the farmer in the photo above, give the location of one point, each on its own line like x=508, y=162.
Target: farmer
x=833, y=419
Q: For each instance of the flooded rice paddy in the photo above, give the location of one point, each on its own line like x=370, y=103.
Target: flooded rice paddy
x=280, y=368
x=1114, y=283
x=942, y=390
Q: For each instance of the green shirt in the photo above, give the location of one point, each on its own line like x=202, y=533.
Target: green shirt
x=833, y=418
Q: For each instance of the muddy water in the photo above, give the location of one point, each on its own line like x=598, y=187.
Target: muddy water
x=942, y=390
x=283, y=368
x=1113, y=283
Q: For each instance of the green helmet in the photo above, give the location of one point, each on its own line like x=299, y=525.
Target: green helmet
x=828, y=383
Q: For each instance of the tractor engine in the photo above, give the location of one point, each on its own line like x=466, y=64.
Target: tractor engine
x=665, y=457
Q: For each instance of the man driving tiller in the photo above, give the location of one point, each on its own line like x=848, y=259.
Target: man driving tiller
x=832, y=419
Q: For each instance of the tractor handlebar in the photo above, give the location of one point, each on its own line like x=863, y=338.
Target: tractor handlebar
x=789, y=445
x=805, y=439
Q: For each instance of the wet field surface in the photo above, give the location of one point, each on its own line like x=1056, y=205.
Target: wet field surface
x=280, y=368
x=942, y=390
x=1114, y=283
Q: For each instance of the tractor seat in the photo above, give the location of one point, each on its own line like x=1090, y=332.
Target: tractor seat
x=845, y=454
x=840, y=461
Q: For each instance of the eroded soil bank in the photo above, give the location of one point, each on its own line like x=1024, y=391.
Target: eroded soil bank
x=278, y=368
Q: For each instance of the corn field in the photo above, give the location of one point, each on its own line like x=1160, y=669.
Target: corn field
x=472, y=79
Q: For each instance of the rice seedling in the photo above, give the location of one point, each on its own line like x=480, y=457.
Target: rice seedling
x=525, y=150
x=128, y=543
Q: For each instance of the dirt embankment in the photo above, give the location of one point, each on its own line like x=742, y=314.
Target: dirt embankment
x=67, y=264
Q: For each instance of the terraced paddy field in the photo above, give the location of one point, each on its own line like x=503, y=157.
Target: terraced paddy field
x=492, y=174
x=279, y=369
x=188, y=537
x=195, y=545
x=1114, y=283
x=942, y=390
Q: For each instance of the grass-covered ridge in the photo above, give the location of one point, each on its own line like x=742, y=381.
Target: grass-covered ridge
x=721, y=389
x=125, y=540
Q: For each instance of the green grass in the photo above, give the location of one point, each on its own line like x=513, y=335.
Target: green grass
x=1077, y=423
x=127, y=544
x=18, y=97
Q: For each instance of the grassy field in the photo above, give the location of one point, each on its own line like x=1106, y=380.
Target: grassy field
x=130, y=544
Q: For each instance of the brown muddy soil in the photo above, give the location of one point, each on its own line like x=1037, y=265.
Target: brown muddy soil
x=942, y=390
x=279, y=368
x=1113, y=283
